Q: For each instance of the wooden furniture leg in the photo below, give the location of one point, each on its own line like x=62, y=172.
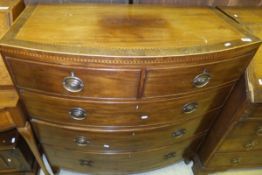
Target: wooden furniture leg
x=27, y=134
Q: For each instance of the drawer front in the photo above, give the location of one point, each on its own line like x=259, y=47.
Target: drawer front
x=251, y=128
x=76, y=81
x=13, y=159
x=169, y=81
x=8, y=138
x=244, y=159
x=118, y=141
x=124, y=163
x=241, y=144
x=83, y=112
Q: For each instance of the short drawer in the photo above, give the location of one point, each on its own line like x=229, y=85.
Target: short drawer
x=76, y=81
x=117, y=164
x=241, y=159
x=86, y=113
x=251, y=128
x=119, y=141
x=167, y=81
x=241, y=143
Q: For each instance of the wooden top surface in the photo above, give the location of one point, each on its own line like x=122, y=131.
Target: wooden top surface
x=251, y=19
x=123, y=30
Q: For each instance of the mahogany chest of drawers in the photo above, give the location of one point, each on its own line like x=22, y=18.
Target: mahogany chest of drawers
x=121, y=89
x=239, y=144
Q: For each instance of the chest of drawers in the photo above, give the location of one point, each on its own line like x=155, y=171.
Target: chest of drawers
x=240, y=144
x=127, y=90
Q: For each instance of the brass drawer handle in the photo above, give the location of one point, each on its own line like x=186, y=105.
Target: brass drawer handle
x=179, y=133
x=170, y=155
x=81, y=141
x=235, y=161
x=259, y=131
x=73, y=83
x=202, y=79
x=77, y=113
x=190, y=107
x=83, y=162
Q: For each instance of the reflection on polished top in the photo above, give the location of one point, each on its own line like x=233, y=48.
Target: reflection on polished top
x=251, y=19
x=123, y=30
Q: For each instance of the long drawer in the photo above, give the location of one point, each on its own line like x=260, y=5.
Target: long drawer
x=241, y=143
x=87, y=113
x=245, y=136
x=239, y=159
x=119, y=141
x=250, y=128
x=124, y=83
x=114, y=164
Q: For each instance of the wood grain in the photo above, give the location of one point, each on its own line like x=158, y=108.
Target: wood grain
x=246, y=159
x=224, y=123
x=166, y=81
x=9, y=98
x=7, y=16
x=6, y=121
x=126, y=56
x=122, y=114
x=111, y=33
x=120, y=140
x=98, y=83
x=241, y=144
x=118, y=164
